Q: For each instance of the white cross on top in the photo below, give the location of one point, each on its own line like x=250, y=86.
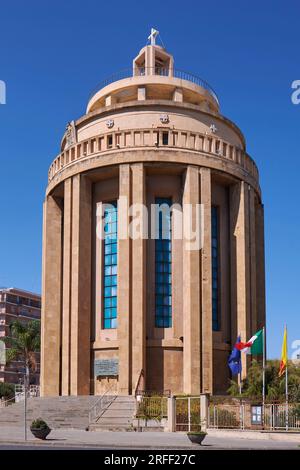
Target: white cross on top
x=153, y=35
x=213, y=128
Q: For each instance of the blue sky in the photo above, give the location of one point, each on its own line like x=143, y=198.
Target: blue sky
x=53, y=53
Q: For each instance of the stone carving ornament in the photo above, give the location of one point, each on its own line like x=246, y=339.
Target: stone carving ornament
x=70, y=134
x=110, y=123
x=164, y=118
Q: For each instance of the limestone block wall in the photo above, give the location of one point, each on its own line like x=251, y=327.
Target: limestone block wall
x=140, y=156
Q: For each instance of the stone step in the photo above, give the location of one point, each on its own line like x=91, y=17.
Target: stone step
x=72, y=412
x=118, y=416
x=114, y=419
x=109, y=427
x=115, y=414
x=124, y=399
x=117, y=406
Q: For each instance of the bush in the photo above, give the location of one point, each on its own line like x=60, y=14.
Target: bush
x=7, y=391
x=154, y=407
x=39, y=424
x=296, y=412
x=225, y=418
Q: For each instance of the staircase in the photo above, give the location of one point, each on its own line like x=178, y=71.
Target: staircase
x=116, y=416
x=59, y=412
x=73, y=412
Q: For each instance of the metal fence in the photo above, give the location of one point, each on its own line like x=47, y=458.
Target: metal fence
x=254, y=416
x=152, y=407
x=188, y=414
x=162, y=71
x=280, y=416
x=33, y=391
x=226, y=416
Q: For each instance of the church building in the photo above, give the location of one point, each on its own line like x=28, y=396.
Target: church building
x=126, y=312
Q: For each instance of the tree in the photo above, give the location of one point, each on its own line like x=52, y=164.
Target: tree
x=275, y=386
x=23, y=343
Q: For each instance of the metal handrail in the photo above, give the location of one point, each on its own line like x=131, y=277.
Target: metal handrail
x=98, y=408
x=162, y=71
x=141, y=375
x=4, y=403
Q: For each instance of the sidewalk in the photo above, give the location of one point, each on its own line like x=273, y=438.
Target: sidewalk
x=68, y=438
x=75, y=437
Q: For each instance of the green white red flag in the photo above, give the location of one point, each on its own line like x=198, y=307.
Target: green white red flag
x=254, y=346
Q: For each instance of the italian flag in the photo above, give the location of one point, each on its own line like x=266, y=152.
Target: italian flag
x=254, y=346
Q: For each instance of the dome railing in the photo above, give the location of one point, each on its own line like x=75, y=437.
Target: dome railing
x=160, y=71
x=118, y=140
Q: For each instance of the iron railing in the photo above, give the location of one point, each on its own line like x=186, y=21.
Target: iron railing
x=155, y=407
x=241, y=416
x=101, y=406
x=162, y=71
x=225, y=416
x=188, y=414
x=4, y=403
x=139, y=382
x=282, y=416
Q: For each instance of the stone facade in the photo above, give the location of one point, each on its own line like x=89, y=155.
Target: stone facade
x=157, y=133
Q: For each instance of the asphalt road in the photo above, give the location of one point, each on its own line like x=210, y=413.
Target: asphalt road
x=210, y=443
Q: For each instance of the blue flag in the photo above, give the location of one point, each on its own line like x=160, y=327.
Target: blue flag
x=234, y=360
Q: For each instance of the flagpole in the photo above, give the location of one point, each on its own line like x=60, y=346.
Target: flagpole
x=264, y=368
x=240, y=374
x=286, y=388
x=264, y=377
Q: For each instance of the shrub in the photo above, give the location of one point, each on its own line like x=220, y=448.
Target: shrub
x=225, y=418
x=39, y=424
x=7, y=390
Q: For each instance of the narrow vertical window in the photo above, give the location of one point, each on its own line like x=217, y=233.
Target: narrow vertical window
x=163, y=265
x=215, y=267
x=110, y=265
x=165, y=138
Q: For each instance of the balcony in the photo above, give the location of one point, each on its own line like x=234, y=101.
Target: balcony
x=159, y=71
x=158, y=82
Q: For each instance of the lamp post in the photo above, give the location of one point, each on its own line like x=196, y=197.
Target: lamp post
x=26, y=380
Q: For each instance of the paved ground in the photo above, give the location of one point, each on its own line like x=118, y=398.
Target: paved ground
x=13, y=438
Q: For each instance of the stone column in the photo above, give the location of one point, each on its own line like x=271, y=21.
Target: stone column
x=252, y=251
x=204, y=410
x=171, y=426
x=124, y=284
x=240, y=264
x=51, y=298
x=66, y=305
x=206, y=283
x=191, y=289
x=260, y=266
x=81, y=286
x=138, y=300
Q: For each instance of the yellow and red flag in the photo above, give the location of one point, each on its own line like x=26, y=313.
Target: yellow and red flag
x=283, y=361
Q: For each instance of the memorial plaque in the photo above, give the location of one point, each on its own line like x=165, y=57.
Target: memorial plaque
x=106, y=367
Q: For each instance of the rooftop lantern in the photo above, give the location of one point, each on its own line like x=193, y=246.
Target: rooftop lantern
x=153, y=59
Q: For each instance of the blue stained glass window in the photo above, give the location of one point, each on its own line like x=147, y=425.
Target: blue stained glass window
x=215, y=267
x=110, y=268
x=163, y=266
